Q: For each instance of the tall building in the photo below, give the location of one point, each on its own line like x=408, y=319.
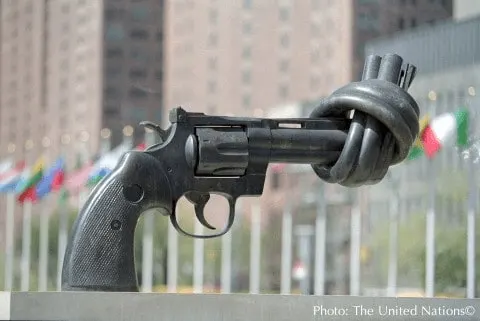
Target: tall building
x=72, y=67
x=69, y=68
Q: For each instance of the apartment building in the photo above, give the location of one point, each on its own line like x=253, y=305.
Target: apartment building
x=72, y=67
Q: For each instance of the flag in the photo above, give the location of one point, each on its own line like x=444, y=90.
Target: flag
x=76, y=180
x=27, y=188
x=417, y=149
x=52, y=180
x=107, y=163
x=443, y=129
x=9, y=179
x=6, y=166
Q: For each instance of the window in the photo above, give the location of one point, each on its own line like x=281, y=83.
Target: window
x=140, y=13
x=212, y=87
x=112, y=110
x=314, y=83
x=212, y=39
x=315, y=30
x=368, y=21
x=63, y=84
x=283, y=91
x=247, y=27
x=65, y=8
x=64, y=45
x=138, y=73
x=159, y=36
x=246, y=100
x=114, y=14
x=138, y=55
x=113, y=70
x=115, y=32
x=111, y=92
x=413, y=23
x=284, y=14
x=211, y=109
x=114, y=53
x=246, y=77
x=139, y=34
x=283, y=66
x=401, y=23
x=247, y=4
x=247, y=53
x=213, y=16
x=212, y=63
x=137, y=93
x=159, y=75
x=284, y=40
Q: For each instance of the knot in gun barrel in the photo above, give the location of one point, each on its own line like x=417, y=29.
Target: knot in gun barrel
x=384, y=124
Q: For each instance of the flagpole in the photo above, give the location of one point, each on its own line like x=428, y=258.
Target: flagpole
x=43, y=238
x=430, y=234
x=255, y=248
x=26, y=235
x=10, y=241
x=320, y=240
x=471, y=219
x=393, y=242
x=198, y=262
x=85, y=158
x=226, y=272
x=63, y=214
x=9, y=235
x=148, y=232
x=172, y=259
x=355, y=245
x=286, y=261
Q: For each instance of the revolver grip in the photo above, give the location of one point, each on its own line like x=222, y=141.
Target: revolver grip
x=100, y=252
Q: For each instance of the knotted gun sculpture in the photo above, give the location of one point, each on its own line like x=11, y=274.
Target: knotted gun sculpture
x=201, y=154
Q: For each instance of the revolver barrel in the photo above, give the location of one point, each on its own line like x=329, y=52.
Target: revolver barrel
x=228, y=151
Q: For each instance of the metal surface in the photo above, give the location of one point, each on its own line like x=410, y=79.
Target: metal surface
x=97, y=306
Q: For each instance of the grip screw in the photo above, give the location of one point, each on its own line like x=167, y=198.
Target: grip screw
x=116, y=225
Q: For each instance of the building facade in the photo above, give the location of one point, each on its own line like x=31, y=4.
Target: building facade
x=71, y=68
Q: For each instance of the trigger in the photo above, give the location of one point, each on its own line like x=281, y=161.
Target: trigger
x=199, y=200
x=200, y=213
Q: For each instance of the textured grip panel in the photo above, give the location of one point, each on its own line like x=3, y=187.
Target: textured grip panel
x=100, y=254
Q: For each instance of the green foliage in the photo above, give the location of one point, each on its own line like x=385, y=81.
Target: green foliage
x=450, y=257
x=453, y=185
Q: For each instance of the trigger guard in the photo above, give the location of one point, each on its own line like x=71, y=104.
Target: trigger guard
x=231, y=219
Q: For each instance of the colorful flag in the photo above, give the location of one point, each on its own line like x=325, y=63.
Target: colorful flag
x=417, y=149
x=76, y=180
x=5, y=166
x=10, y=178
x=52, y=180
x=107, y=163
x=443, y=129
x=26, y=190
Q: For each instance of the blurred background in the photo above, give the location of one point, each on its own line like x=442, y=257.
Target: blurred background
x=77, y=77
